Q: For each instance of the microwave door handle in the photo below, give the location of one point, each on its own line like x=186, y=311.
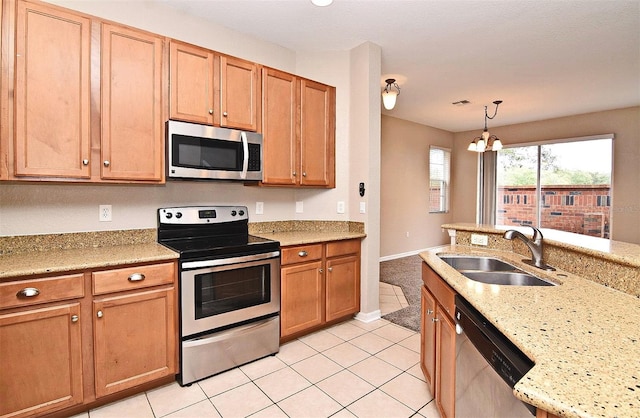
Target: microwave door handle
x=245, y=150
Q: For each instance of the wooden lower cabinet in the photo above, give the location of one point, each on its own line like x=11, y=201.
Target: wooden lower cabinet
x=320, y=285
x=135, y=339
x=438, y=340
x=40, y=360
x=56, y=358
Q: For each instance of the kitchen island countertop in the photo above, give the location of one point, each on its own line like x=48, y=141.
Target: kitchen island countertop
x=583, y=337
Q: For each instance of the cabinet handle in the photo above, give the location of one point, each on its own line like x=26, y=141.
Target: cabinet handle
x=85, y=162
x=211, y=111
x=136, y=277
x=106, y=163
x=429, y=311
x=330, y=269
x=74, y=318
x=28, y=292
x=302, y=254
x=224, y=114
x=99, y=314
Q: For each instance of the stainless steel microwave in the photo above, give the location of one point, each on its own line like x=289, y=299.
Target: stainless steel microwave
x=205, y=152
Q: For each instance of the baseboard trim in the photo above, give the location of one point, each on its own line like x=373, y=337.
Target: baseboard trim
x=369, y=316
x=401, y=255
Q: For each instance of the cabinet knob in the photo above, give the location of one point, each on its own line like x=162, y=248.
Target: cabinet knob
x=321, y=270
x=304, y=174
x=136, y=277
x=429, y=311
x=295, y=174
x=85, y=162
x=211, y=111
x=99, y=314
x=28, y=292
x=224, y=114
x=303, y=254
x=435, y=320
x=330, y=269
x=106, y=163
x=74, y=318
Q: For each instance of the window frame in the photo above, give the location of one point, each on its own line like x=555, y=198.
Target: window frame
x=445, y=182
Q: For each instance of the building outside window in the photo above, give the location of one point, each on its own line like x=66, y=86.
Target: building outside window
x=559, y=185
x=439, y=175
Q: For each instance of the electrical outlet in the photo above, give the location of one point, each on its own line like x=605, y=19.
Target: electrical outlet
x=259, y=208
x=299, y=207
x=479, y=239
x=340, y=208
x=105, y=213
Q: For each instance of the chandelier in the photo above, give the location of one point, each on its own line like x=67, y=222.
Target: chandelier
x=486, y=141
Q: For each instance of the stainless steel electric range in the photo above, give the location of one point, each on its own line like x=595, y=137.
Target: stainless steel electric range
x=229, y=288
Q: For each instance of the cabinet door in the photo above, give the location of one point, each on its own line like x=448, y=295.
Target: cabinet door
x=317, y=134
x=132, y=145
x=302, y=298
x=279, y=106
x=239, y=94
x=52, y=91
x=445, y=364
x=191, y=81
x=135, y=339
x=343, y=287
x=40, y=360
x=428, y=338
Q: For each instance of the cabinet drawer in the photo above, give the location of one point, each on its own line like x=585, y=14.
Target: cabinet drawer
x=440, y=289
x=132, y=278
x=51, y=289
x=301, y=254
x=335, y=248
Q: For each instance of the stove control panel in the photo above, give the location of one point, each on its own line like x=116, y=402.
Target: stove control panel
x=186, y=215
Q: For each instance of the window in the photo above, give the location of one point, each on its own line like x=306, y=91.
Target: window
x=559, y=185
x=439, y=169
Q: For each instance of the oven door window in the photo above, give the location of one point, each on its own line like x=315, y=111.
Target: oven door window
x=229, y=290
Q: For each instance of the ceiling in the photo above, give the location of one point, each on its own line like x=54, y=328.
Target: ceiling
x=544, y=59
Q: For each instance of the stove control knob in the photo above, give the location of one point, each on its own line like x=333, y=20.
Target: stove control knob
x=169, y=215
x=178, y=215
x=234, y=213
x=241, y=213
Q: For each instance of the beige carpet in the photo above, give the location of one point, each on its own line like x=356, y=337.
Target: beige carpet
x=406, y=273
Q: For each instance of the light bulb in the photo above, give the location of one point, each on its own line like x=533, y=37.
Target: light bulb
x=321, y=3
x=389, y=99
x=497, y=145
x=481, y=145
x=472, y=146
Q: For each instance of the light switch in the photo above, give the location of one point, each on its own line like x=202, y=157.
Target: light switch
x=299, y=207
x=259, y=208
x=340, y=207
x=363, y=207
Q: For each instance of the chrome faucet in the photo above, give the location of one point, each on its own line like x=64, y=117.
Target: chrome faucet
x=535, y=246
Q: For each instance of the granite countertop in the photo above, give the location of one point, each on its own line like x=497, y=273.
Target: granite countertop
x=307, y=237
x=301, y=232
x=583, y=337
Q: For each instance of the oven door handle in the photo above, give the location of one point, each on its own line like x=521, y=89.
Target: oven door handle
x=226, y=261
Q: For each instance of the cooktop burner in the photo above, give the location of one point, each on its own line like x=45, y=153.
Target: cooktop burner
x=209, y=232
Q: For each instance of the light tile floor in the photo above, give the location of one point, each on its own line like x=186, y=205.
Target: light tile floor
x=352, y=369
x=391, y=298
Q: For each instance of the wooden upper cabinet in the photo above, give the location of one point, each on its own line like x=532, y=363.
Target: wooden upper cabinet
x=280, y=93
x=192, y=80
x=132, y=140
x=52, y=90
x=317, y=134
x=239, y=98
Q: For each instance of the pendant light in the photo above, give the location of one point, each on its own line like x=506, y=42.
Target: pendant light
x=486, y=141
x=389, y=95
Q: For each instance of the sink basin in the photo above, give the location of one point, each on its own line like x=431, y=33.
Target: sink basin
x=493, y=271
x=506, y=278
x=478, y=263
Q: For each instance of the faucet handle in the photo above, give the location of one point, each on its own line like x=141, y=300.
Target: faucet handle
x=537, y=235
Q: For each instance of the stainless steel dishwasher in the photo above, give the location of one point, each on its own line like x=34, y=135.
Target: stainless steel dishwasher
x=488, y=365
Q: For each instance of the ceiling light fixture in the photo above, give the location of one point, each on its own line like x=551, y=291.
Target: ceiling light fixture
x=321, y=3
x=389, y=95
x=486, y=141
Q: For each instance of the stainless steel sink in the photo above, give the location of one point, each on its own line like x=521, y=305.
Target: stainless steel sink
x=493, y=271
x=478, y=263
x=506, y=278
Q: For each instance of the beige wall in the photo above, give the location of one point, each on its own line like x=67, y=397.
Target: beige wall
x=624, y=123
x=404, y=190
